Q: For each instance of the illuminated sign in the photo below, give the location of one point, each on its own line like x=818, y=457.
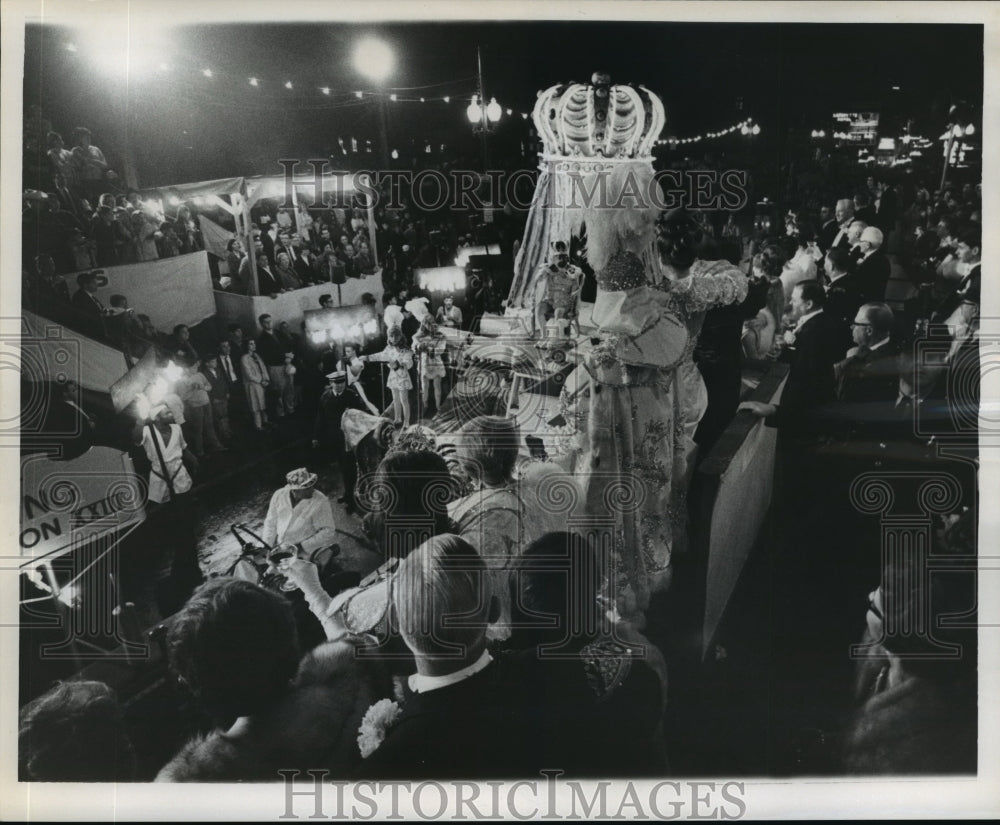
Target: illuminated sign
x=356, y=324
x=857, y=127
x=441, y=278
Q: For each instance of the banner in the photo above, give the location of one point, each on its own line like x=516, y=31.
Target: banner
x=215, y=237
x=65, y=503
x=170, y=291
x=51, y=352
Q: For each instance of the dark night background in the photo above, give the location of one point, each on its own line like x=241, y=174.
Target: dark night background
x=789, y=77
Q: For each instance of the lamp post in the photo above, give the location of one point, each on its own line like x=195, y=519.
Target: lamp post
x=481, y=115
x=375, y=60
x=959, y=125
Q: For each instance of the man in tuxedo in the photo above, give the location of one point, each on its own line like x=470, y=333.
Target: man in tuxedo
x=873, y=268
x=88, y=308
x=455, y=718
x=863, y=210
x=828, y=228
x=854, y=231
x=843, y=293
x=844, y=214
x=810, y=351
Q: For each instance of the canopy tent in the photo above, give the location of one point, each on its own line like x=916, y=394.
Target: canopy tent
x=245, y=192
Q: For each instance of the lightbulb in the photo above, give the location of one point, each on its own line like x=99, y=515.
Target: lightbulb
x=957, y=130
x=254, y=81
x=288, y=84
x=447, y=99
x=494, y=112
x=395, y=154
x=206, y=72
x=325, y=90
x=970, y=129
x=421, y=100
x=756, y=129
x=359, y=95
x=374, y=59
x=393, y=98
x=744, y=129
x=474, y=112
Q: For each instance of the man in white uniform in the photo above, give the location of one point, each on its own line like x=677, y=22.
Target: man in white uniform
x=300, y=515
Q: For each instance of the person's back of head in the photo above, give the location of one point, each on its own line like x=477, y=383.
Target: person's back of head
x=234, y=644
x=839, y=259
x=488, y=448
x=558, y=575
x=75, y=732
x=443, y=603
x=410, y=496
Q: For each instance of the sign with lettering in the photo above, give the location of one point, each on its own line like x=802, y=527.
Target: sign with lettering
x=66, y=503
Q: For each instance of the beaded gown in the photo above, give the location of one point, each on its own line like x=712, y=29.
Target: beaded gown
x=646, y=399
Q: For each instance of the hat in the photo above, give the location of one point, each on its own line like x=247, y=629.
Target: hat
x=301, y=479
x=873, y=235
x=337, y=375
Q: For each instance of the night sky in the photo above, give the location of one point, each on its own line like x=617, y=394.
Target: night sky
x=787, y=76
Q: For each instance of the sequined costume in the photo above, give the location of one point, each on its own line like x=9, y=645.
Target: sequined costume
x=646, y=398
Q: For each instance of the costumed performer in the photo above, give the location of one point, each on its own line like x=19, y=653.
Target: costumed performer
x=400, y=360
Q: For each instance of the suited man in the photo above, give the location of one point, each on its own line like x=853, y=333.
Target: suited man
x=229, y=368
x=269, y=237
x=854, y=231
x=869, y=374
x=873, y=268
x=88, y=307
x=810, y=351
x=828, y=228
x=843, y=294
x=863, y=209
x=844, y=214
x=453, y=704
x=218, y=395
x=266, y=279
x=336, y=399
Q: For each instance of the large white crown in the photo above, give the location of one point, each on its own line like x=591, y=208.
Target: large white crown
x=598, y=120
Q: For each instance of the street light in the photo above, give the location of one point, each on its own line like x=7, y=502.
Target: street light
x=374, y=59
